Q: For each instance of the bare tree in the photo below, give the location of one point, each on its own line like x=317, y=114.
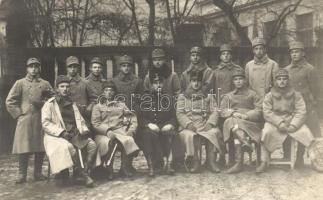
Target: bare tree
x=231, y=7
x=132, y=7
x=42, y=32
x=151, y=22
x=177, y=16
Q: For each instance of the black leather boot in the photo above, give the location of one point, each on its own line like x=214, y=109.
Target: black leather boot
x=237, y=167
x=212, y=166
x=23, y=165
x=39, y=158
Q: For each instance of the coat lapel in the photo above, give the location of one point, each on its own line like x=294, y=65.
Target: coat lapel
x=58, y=114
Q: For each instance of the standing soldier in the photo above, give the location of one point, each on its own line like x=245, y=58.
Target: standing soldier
x=303, y=78
x=128, y=84
x=81, y=93
x=197, y=64
x=95, y=78
x=24, y=103
x=260, y=70
x=170, y=87
x=224, y=71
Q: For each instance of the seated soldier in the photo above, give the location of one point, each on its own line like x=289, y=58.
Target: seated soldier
x=197, y=116
x=241, y=109
x=66, y=139
x=157, y=126
x=111, y=119
x=285, y=114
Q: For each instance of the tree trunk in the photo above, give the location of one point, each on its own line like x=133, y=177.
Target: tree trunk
x=151, y=24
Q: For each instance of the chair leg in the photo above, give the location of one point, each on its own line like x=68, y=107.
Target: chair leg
x=293, y=153
x=258, y=154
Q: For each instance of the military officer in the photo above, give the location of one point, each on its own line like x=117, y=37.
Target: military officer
x=197, y=115
x=259, y=71
x=303, y=78
x=66, y=139
x=170, y=87
x=285, y=114
x=111, y=119
x=157, y=126
x=24, y=103
x=241, y=109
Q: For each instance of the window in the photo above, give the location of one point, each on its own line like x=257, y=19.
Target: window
x=222, y=34
x=280, y=38
x=304, y=28
x=246, y=31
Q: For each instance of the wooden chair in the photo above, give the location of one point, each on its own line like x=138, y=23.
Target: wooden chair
x=291, y=160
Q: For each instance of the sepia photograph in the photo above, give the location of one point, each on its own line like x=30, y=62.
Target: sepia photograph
x=161, y=99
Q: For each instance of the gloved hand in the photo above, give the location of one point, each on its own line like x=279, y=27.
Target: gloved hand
x=282, y=127
x=191, y=127
x=111, y=135
x=167, y=127
x=291, y=129
x=153, y=127
x=66, y=135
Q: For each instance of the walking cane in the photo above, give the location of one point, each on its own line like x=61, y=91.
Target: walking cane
x=108, y=163
x=80, y=157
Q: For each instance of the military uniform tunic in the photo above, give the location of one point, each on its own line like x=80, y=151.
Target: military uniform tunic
x=24, y=103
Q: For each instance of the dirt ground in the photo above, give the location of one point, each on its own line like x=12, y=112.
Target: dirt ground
x=279, y=183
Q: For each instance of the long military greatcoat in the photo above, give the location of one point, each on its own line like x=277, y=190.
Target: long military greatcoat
x=287, y=106
x=24, y=103
x=243, y=101
x=259, y=74
x=57, y=148
x=116, y=117
x=199, y=111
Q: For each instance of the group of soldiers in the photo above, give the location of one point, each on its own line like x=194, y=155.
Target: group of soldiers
x=83, y=121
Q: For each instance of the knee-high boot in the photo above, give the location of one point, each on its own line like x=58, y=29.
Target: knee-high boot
x=211, y=159
x=196, y=161
x=237, y=167
x=265, y=158
x=23, y=165
x=124, y=164
x=39, y=158
x=151, y=171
